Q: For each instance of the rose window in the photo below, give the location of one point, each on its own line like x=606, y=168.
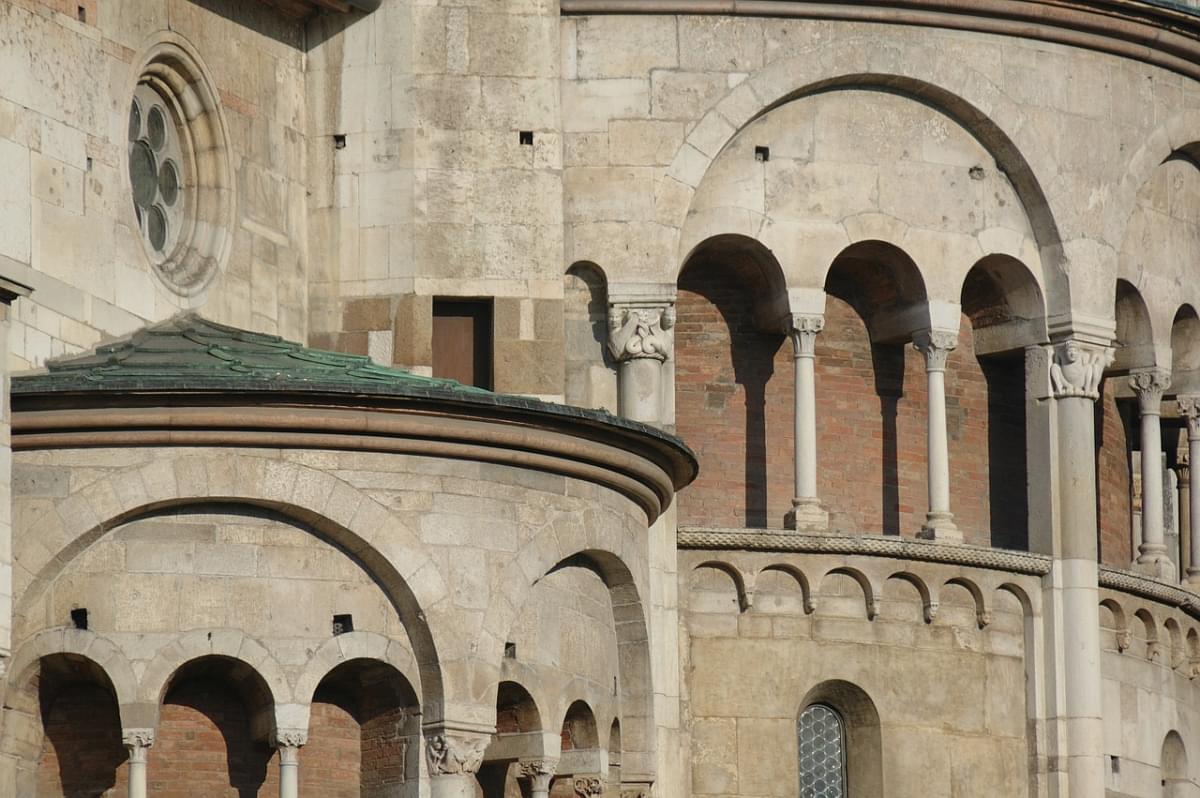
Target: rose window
x=156, y=172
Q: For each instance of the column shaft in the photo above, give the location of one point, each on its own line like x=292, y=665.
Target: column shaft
x=939, y=521
x=1153, y=558
x=807, y=513
x=640, y=340
x=289, y=772
x=1083, y=699
x=138, y=741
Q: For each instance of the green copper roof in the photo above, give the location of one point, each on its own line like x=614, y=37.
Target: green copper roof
x=192, y=355
x=190, y=352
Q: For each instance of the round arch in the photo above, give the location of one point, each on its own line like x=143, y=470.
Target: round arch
x=390, y=552
x=864, y=746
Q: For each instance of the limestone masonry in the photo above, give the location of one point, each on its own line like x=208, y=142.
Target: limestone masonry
x=599, y=398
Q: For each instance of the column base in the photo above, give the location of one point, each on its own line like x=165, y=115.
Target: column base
x=1158, y=566
x=1193, y=577
x=940, y=527
x=807, y=515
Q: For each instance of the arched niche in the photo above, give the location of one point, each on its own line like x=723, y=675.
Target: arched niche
x=364, y=730
x=590, y=375
x=1135, y=335
x=81, y=751
x=870, y=390
x=1175, y=781
x=214, y=731
x=1003, y=304
x=864, y=744
x=1185, y=351
x=734, y=384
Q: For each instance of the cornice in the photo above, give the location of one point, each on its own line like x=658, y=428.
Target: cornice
x=638, y=466
x=867, y=545
x=704, y=538
x=1166, y=34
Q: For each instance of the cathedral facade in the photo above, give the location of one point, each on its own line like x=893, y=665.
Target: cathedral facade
x=599, y=398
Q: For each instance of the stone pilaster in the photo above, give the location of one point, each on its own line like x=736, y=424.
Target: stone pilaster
x=1076, y=372
x=1153, y=558
x=138, y=742
x=807, y=514
x=10, y=291
x=640, y=339
x=936, y=346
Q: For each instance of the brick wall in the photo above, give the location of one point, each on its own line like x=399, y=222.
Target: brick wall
x=82, y=754
x=203, y=748
x=1112, y=484
x=734, y=401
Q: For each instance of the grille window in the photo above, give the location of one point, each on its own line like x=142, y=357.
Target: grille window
x=822, y=753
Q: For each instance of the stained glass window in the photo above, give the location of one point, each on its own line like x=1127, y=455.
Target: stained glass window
x=822, y=753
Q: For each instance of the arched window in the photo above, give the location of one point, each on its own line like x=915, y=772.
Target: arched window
x=822, y=735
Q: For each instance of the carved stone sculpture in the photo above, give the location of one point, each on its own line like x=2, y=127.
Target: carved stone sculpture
x=449, y=754
x=641, y=332
x=1078, y=368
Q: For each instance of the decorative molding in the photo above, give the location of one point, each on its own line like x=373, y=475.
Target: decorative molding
x=646, y=467
x=1149, y=385
x=803, y=331
x=1166, y=35
x=936, y=346
x=1148, y=587
x=641, y=331
x=589, y=786
x=1078, y=368
x=866, y=545
x=449, y=753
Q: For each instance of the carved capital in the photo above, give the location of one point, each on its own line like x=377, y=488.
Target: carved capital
x=137, y=738
x=289, y=738
x=1078, y=368
x=936, y=346
x=803, y=332
x=1189, y=408
x=1149, y=386
x=641, y=331
x=589, y=786
x=538, y=771
x=138, y=741
x=449, y=753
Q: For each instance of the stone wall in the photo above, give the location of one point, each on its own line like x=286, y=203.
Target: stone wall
x=67, y=223
x=1150, y=689
x=246, y=581
x=765, y=633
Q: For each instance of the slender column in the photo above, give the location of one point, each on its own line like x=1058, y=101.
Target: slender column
x=1183, y=500
x=1075, y=377
x=1189, y=407
x=640, y=340
x=538, y=773
x=454, y=758
x=288, y=742
x=138, y=741
x=807, y=514
x=936, y=346
x=1153, y=558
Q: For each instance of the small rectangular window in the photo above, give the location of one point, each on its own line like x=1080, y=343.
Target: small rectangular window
x=462, y=341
